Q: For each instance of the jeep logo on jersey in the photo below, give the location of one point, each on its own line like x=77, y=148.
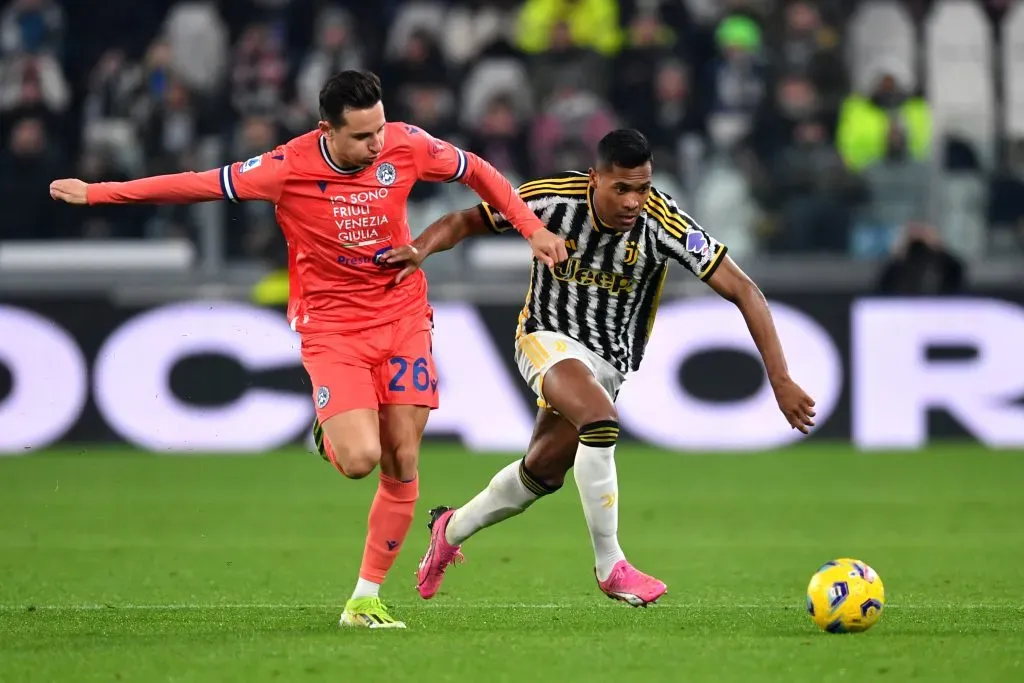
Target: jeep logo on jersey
x=386, y=174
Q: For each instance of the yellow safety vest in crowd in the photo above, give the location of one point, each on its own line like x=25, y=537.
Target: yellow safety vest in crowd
x=864, y=129
x=592, y=23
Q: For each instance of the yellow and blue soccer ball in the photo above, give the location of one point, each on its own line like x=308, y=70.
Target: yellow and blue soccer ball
x=845, y=596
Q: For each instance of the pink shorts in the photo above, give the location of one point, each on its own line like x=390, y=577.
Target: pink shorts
x=391, y=364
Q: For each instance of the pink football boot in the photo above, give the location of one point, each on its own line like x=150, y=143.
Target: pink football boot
x=440, y=554
x=630, y=585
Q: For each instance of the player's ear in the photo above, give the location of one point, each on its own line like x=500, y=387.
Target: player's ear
x=324, y=127
x=593, y=176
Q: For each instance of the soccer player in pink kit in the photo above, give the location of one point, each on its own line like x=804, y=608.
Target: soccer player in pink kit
x=340, y=193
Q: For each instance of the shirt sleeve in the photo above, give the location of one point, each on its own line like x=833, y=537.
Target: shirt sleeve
x=531, y=192
x=261, y=177
x=438, y=160
x=682, y=239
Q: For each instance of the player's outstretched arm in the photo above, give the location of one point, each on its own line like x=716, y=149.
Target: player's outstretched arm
x=176, y=188
x=732, y=284
x=441, y=235
x=495, y=189
x=438, y=160
x=258, y=178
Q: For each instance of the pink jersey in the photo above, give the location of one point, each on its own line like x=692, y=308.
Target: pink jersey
x=338, y=222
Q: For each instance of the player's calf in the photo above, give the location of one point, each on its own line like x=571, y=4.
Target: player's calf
x=510, y=492
x=598, y=485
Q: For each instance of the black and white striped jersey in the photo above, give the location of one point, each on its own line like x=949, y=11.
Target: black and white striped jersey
x=606, y=295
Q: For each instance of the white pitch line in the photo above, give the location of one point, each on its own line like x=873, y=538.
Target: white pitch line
x=462, y=606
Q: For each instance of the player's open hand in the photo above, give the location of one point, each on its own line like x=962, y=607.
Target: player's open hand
x=795, y=404
x=407, y=257
x=70, y=190
x=548, y=248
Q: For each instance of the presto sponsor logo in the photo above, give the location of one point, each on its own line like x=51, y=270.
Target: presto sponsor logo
x=364, y=259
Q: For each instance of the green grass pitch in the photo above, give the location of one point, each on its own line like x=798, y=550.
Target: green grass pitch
x=121, y=566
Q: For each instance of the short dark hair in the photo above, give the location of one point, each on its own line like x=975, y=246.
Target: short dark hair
x=346, y=90
x=625, y=148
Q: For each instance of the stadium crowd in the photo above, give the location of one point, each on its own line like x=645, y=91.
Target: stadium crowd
x=749, y=105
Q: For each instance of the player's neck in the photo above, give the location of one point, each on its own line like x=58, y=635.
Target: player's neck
x=342, y=163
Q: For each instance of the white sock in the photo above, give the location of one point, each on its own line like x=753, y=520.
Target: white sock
x=599, y=493
x=506, y=496
x=366, y=589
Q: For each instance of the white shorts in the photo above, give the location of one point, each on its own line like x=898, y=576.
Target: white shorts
x=539, y=352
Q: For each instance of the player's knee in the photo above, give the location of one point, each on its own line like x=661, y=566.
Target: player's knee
x=403, y=462
x=596, y=412
x=539, y=477
x=356, y=462
x=601, y=433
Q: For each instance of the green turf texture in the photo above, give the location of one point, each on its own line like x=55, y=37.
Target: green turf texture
x=122, y=566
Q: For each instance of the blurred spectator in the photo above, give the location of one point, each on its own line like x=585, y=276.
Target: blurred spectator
x=921, y=264
x=669, y=114
x=419, y=67
x=865, y=119
x=413, y=17
x=258, y=71
x=33, y=83
x=745, y=102
x=170, y=131
x=337, y=48
x=32, y=26
x=26, y=168
x=738, y=80
x=473, y=26
x=649, y=44
x=565, y=62
x=590, y=24
x=107, y=117
x=198, y=42
x=501, y=138
x=566, y=132
x=897, y=186
x=499, y=73
x=795, y=100
x=811, y=192
x=156, y=74
x=808, y=46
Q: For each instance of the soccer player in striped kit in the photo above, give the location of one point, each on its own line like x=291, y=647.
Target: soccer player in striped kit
x=583, y=328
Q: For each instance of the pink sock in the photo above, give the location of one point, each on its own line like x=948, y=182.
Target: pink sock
x=390, y=518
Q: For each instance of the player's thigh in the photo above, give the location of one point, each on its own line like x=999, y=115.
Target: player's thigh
x=345, y=399
x=407, y=376
x=552, y=449
x=401, y=432
x=407, y=390
x=563, y=375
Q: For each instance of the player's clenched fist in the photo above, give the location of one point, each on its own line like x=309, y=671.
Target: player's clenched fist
x=548, y=248
x=70, y=190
